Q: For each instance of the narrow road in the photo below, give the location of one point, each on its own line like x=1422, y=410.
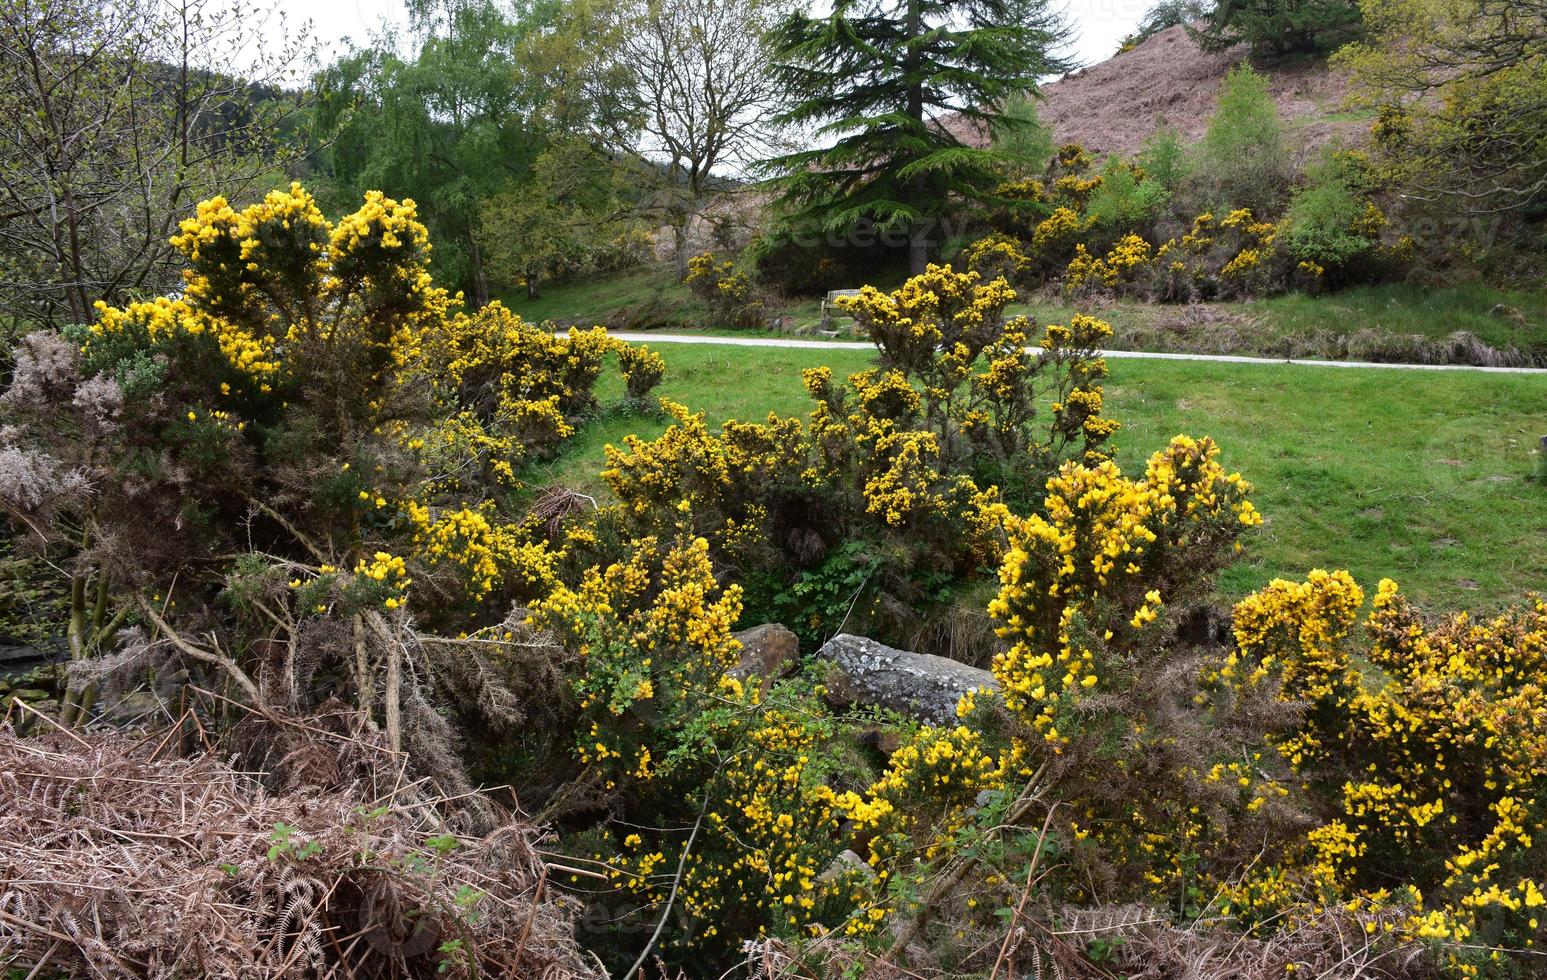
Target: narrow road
x=677, y=338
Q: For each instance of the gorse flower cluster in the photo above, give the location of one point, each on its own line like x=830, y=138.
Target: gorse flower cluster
x=1421, y=751
x=1082, y=588
x=727, y=292
x=1088, y=273
x=962, y=414
x=642, y=370
x=1119, y=230
x=314, y=403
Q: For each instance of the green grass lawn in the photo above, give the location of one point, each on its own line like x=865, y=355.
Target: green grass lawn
x=1419, y=476
x=1293, y=325
x=595, y=299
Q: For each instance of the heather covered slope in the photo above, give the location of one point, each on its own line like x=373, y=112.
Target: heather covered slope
x=1113, y=106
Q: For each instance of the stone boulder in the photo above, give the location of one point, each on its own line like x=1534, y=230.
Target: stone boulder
x=768, y=651
x=918, y=684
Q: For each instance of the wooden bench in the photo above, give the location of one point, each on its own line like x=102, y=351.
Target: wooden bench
x=830, y=308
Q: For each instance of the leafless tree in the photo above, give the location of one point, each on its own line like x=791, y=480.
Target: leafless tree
x=702, y=98
x=115, y=116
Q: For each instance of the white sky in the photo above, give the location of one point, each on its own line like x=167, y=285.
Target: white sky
x=1098, y=24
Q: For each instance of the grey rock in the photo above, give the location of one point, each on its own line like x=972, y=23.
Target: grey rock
x=32, y=695
x=16, y=655
x=845, y=862
x=768, y=651
x=919, y=684
x=133, y=707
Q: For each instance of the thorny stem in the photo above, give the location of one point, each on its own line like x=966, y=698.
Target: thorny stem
x=954, y=877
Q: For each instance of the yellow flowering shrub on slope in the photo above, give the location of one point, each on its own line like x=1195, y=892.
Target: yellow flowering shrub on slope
x=310, y=436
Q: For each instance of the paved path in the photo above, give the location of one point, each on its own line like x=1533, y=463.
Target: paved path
x=677, y=338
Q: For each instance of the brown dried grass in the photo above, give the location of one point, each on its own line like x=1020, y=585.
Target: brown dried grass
x=119, y=861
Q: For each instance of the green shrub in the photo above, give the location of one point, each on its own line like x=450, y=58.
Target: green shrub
x=913, y=459
x=1243, y=161
x=1125, y=199
x=1330, y=224
x=1163, y=158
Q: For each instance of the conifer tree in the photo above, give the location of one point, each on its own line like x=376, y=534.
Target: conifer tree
x=877, y=78
x=1277, y=27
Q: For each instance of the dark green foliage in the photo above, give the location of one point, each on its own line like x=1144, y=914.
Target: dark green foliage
x=873, y=77
x=1277, y=27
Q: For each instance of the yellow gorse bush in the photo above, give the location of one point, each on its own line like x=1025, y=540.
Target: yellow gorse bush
x=395, y=422
x=1081, y=586
x=1424, y=747
x=917, y=451
x=272, y=287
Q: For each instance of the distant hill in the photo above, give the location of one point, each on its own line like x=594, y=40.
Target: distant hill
x=1113, y=106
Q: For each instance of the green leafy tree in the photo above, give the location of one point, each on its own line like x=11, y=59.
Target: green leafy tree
x=468, y=113
x=568, y=219
x=1277, y=27
x=1244, y=160
x=1123, y=201
x=1022, y=138
x=1460, y=91
x=876, y=78
x=447, y=128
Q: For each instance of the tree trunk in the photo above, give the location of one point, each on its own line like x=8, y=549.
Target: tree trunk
x=918, y=248
x=679, y=245
x=918, y=232
x=480, y=281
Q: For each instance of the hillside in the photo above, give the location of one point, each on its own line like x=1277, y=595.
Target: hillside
x=1113, y=106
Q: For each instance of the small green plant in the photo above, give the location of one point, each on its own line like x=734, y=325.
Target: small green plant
x=1123, y=201
x=822, y=599
x=285, y=844
x=453, y=956
x=1104, y=950
x=1163, y=158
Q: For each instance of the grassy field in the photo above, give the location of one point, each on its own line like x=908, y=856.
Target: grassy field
x=1322, y=326
x=1424, y=477
x=1293, y=325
